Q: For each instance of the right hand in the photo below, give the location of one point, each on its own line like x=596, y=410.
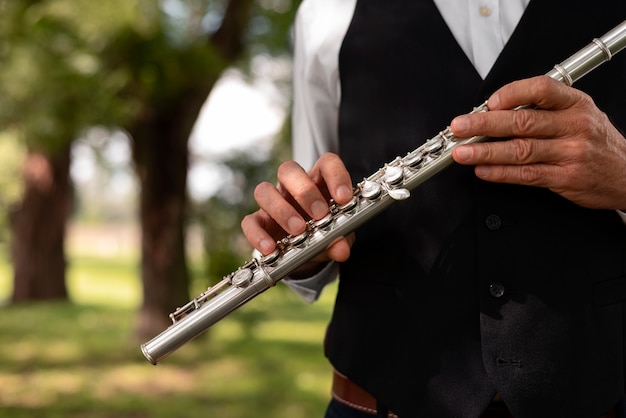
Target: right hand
x=299, y=196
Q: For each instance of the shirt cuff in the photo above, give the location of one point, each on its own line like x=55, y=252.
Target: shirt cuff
x=311, y=288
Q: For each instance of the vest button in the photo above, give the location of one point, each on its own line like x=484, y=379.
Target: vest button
x=493, y=222
x=496, y=290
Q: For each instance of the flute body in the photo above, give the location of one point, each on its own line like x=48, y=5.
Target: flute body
x=371, y=196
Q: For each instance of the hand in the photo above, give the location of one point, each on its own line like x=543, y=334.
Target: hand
x=300, y=196
x=564, y=143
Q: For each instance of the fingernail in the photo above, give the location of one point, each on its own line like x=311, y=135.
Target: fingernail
x=344, y=193
x=460, y=124
x=482, y=171
x=266, y=246
x=463, y=153
x=494, y=101
x=319, y=209
x=295, y=224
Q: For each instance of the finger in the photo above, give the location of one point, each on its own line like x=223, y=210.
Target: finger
x=514, y=151
x=538, y=95
x=301, y=189
x=276, y=207
x=521, y=123
x=542, y=92
x=258, y=228
x=540, y=175
x=339, y=250
x=333, y=173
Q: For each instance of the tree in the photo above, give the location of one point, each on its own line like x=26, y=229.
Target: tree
x=171, y=73
x=46, y=79
x=144, y=65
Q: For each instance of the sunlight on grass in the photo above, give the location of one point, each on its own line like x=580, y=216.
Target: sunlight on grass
x=79, y=359
x=58, y=367
x=98, y=281
x=6, y=284
x=54, y=351
x=104, y=281
x=289, y=331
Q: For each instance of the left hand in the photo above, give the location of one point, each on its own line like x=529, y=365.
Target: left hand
x=563, y=142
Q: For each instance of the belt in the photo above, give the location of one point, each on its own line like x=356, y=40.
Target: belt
x=349, y=394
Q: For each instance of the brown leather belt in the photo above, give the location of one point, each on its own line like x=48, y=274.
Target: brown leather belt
x=351, y=395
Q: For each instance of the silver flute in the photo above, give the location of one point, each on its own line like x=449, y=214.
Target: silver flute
x=371, y=196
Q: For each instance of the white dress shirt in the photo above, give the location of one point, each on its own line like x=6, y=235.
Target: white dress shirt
x=481, y=27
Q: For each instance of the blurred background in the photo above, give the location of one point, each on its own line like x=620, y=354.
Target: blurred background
x=132, y=134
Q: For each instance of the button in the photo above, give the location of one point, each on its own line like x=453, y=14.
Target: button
x=493, y=222
x=484, y=11
x=496, y=290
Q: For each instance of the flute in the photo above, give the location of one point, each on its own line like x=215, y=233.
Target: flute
x=371, y=196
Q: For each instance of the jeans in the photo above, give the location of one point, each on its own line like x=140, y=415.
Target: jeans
x=338, y=410
x=620, y=409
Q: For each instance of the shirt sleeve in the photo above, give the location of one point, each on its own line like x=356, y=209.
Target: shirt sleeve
x=319, y=29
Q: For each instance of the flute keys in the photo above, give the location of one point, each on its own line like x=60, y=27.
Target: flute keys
x=393, y=174
x=271, y=258
x=370, y=190
x=348, y=207
x=324, y=222
x=399, y=194
x=434, y=145
x=296, y=241
x=414, y=159
x=242, y=277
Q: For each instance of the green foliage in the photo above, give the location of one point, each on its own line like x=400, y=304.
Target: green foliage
x=220, y=215
x=50, y=78
x=69, y=65
x=12, y=154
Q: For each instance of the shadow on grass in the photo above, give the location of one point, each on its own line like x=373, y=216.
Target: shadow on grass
x=68, y=360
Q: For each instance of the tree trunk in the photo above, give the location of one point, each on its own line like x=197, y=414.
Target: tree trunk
x=160, y=138
x=160, y=152
x=38, y=228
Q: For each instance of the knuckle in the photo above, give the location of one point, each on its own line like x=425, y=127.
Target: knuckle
x=246, y=222
x=251, y=223
x=523, y=150
x=329, y=156
x=530, y=174
x=261, y=190
x=285, y=168
x=578, y=150
x=524, y=120
x=543, y=84
x=303, y=190
x=586, y=100
x=586, y=124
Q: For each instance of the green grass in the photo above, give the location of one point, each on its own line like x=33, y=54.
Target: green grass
x=78, y=359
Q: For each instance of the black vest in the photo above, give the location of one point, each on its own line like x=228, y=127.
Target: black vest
x=470, y=288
